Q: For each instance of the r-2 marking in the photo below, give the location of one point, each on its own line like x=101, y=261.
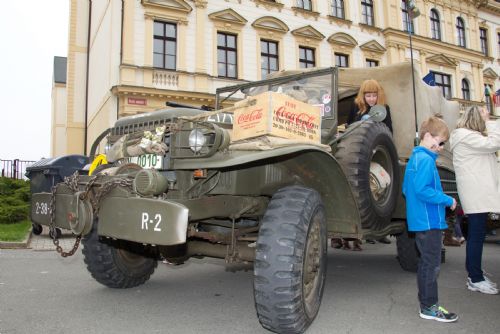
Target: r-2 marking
x=146, y=221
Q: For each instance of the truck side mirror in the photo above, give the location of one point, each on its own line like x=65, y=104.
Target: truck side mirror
x=377, y=113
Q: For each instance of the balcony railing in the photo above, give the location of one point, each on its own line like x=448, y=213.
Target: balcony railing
x=464, y=104
x=165, y=79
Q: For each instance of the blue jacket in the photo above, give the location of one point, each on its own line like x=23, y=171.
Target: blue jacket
x=425, y=199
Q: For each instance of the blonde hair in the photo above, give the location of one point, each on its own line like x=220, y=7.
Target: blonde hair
x=369, y=86
x=435, y=126
x=471, y=119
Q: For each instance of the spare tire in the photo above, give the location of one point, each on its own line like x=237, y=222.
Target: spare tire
x=371, y=142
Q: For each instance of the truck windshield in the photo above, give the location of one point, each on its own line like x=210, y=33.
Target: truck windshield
x=317, y=88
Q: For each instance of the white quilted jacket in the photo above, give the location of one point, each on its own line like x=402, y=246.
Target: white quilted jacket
x=476, y=168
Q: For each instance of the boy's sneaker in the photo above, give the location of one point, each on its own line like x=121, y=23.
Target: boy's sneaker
x=482, y=286
x=437, y=313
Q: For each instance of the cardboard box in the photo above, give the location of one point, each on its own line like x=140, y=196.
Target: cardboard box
x=278, y=115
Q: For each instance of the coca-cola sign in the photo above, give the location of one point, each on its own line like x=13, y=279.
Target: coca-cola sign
x=252, y=116
x=297, y=118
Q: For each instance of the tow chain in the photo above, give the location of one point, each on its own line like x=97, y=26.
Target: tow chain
x=72, y=183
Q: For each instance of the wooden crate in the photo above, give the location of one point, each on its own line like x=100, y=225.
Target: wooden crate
x=278, y=115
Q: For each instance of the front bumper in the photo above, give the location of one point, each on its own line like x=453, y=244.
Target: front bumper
x=142, y=220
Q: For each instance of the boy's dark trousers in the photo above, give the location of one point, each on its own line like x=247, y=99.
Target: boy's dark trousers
x=429, y=245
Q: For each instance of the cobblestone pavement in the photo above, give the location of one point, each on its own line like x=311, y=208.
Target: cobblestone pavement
x=43, y=242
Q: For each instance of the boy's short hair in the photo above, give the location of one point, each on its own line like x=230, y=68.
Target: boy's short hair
x=435, y=126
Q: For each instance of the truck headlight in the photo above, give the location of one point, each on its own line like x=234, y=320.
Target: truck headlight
x=196, y=140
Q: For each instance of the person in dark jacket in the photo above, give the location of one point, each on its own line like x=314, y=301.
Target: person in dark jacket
x=370, y=93
x=425, y=214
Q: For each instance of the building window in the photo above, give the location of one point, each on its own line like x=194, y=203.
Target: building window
x=306, y=57
x=367, y=12
x=461, y=32
x=407, y=21
x=164, y=45
x=338, y=8
x=371, y=63
x=443, y=81
x=226, y=55
x=498, y=36
x=487, y=98
x=304, y=4
x=435, y=25
x=465, y=89
x=341, y=60
x=483, y=37
x=268, y=57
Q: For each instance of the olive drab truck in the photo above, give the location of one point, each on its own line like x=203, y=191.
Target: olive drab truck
x=177, y=185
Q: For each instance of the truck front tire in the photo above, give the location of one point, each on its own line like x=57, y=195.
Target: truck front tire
x=115, y=267
x=290, y=261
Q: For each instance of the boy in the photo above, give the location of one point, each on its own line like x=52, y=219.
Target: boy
x=425, y=213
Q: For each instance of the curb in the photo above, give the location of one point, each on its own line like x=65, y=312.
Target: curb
x=17, y=244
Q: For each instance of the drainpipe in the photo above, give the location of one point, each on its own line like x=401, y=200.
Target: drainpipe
x=121, y=57
x=87, y=83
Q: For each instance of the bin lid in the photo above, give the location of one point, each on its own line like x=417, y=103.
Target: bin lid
x=72, y=162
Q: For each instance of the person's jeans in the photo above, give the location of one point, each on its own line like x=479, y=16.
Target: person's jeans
x=429, y=245
x=474, y=248
x=457, y=228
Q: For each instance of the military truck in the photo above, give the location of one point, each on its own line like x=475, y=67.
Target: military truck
x=177, y=186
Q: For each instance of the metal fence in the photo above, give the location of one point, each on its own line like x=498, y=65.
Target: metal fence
x=15, y=169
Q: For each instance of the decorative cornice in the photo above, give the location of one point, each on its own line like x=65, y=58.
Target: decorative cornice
x=228, y=15
x=176, y=5
x=373, y=46
x=162, y=17
x=200, y=3
x=442, y=59
x=343, y=39
x=270, y=23
x=490, y=73
x=402, y=38
x=492, y=7
x=308, y=32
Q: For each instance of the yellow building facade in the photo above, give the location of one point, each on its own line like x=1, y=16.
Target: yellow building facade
x=133, y=56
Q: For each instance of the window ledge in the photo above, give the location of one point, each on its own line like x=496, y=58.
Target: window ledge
x=369, y=27
x=339, y=20
x=269, y=4
x=306, y=13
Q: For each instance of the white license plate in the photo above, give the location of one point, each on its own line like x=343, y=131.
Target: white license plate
x=147, y=161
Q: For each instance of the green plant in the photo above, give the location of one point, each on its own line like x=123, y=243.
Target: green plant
x=14, y=200
x=15, y=231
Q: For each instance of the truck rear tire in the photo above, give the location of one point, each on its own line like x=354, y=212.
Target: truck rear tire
x=290, y=261
x=115, y=267
x=407, y=251
x=371, y=142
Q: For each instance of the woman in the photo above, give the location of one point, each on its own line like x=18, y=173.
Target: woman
x=370, y=93
x=474, y=143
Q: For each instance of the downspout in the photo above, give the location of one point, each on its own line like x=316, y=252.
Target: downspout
x=87, y=83
x=121, y=57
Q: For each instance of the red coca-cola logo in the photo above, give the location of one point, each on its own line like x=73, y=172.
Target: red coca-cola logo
x=300, y=119
x=254, y=115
